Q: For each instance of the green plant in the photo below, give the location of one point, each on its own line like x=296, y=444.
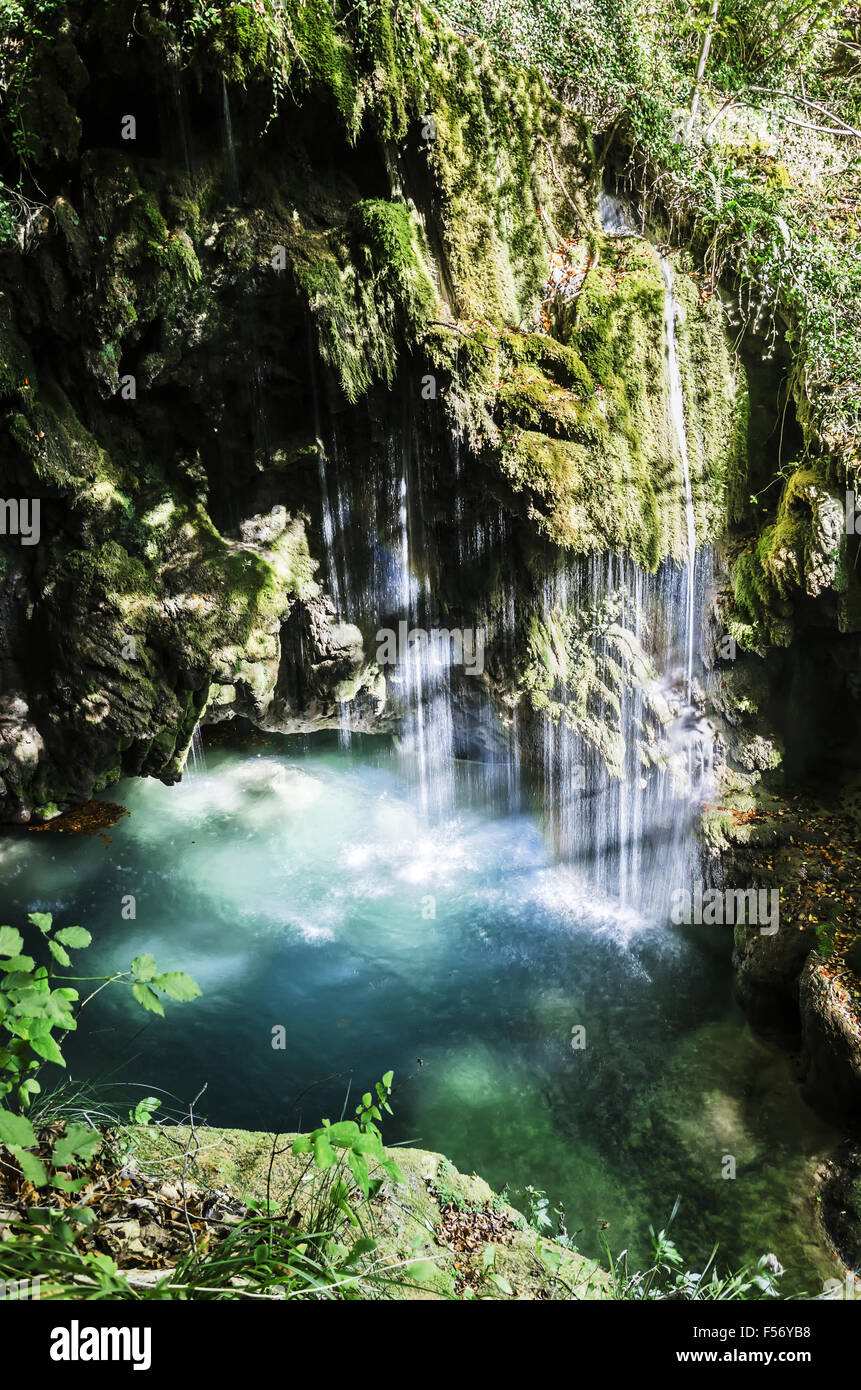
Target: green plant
x=144, y=1110
x=825, y=933
x=345, y=1147
x=38, y=1008
x=667, y=1278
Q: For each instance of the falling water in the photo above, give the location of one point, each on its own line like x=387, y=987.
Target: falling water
x=624, y=766
x=229, y=147
x=196, y=759
x=624, y=758
x=677, y=415
x=181, y=112
x=616, y=216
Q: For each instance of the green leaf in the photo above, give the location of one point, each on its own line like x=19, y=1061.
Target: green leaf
x=344, y=1132
x=27, y=1090
x=11, y=941
x=32, y=1167
x=324, y=1154
x=365, y=1246
x=64, y=1183
x=369, y=1144
x=76, y=937
x=42, y=920
x=394, y=1172
x=177, y=985
x=33, y=1003
x=387, y=1079
x=58, y=953
x=148, y=999
x=45, y=1046
x=144, y=967
x=15, y=1130
x=359, y=1168
x=15, y=982
x=79, y=1141
x=302, y=1145
x=58, y=1009
x=22, y=963
x=144, y=1110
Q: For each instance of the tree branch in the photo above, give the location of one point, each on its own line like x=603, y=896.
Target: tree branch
x=811, y=105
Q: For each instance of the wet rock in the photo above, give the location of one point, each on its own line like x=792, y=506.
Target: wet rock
x=831, y=1045
x=767, y=975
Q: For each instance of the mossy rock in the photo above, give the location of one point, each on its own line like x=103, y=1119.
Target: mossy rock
x=407, y=1218
x=802, y=552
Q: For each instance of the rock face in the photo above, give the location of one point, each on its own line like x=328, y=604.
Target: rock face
x=768, y=969
x=409, y=1219
x=269, y=250
x=831, y=1040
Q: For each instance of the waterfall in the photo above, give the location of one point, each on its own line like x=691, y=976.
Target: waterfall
x=180, y=104
x=677, y=416
x=618, y=752
x=328, y=514
x=623, y=759
x=229, y=147
x=195, y=762
x=424, y=666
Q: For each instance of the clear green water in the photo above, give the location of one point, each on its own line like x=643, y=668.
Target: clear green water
x=295, y=885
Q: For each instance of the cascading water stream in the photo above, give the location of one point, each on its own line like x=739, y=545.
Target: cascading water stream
x=229, y=146
x=677, y=416
x=196, y=760
x=625, y=758
x=328, y=516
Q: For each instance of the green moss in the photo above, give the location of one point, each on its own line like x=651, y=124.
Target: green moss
x=245, y=41
x=717, y=406
x=491, y=182
x=407, y=1214
x=572, y=678
x=383, y=87
x=326, y=56
x=369, y=292
x=801, y=552
x=580, y=429
x=152, y=237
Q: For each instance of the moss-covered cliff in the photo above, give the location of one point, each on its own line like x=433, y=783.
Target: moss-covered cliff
x=319, y=212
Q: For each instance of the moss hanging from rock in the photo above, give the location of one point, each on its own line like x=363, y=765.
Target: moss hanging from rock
x=369, y=292
x=578, y=426
x=803, y=552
